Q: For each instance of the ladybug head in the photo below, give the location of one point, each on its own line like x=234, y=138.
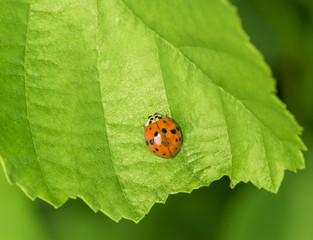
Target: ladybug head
x=154, y=118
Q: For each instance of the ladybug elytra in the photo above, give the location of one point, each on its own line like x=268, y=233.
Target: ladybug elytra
x=163, y=136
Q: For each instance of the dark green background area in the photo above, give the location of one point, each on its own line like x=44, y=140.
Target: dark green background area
x=283, y=31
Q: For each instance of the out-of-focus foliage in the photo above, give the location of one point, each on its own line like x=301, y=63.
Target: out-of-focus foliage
x=218, y=212
x=18, y=220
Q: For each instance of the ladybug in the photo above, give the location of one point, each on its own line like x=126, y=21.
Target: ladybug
x=163, y=136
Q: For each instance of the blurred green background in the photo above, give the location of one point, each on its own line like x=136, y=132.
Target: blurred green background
x=283, y=31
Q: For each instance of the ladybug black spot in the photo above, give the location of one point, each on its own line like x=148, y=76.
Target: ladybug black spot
x=151, y=141
x=163, y=154
x=173, y=131
x=164, y=121
x=175, y=148
x=149, y=128
x=156, y=134
x=176, y=140
x=164, y=130
x=156, y=149
x=179, y=139
x=147, y=143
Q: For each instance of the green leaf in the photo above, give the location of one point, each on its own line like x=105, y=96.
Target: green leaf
x=78, y=80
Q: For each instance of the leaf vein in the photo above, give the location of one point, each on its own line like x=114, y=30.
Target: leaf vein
x=26, y=101
x=228, y=135
x=266, y=160
x=103, y=109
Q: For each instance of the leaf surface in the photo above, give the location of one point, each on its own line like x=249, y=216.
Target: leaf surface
x=78, y=80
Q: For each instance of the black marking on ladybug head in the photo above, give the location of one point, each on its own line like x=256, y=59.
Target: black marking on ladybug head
x=154, y=118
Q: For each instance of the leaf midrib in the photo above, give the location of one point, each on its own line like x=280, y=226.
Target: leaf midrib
x=26, y=103
x=104, y=117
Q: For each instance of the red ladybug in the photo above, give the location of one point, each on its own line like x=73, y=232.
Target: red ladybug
x=163, y=136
